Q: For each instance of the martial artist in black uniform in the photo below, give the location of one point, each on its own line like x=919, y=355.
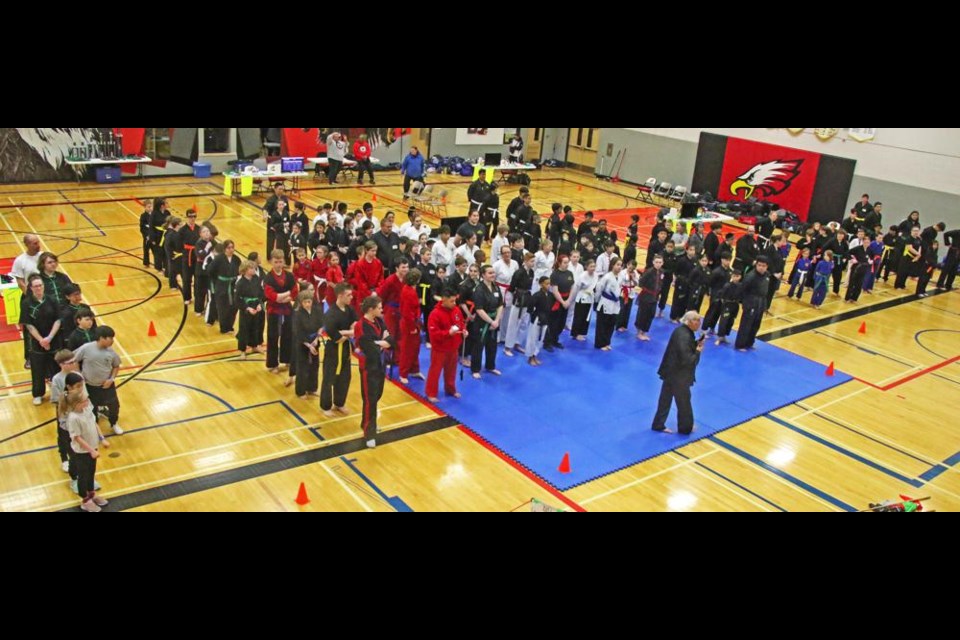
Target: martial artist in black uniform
x=372, y=339
x=650, y=283
x=488, y=305
x=730, y=296
x=338, y=326
x=223, y=274
x=950, y=262
x=681, y=288
x=678, y=372
x=755, y=288
x=719, y=278
x=189, y=239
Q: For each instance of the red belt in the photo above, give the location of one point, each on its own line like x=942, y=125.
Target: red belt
x=556, y=305
x=190, y=248
x=650, y=291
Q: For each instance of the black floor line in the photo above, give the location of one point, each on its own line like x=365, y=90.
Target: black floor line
x=259, y=469
x=841, y=317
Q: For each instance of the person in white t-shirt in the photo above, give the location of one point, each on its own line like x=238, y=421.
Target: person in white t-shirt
x=442, y=251
x=23, y=267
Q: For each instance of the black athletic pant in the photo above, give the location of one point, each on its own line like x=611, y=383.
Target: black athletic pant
x=308, y=368
x=247, y=333
x=728, y=316
x=186, y=279
x=279, y=339
x=63, y=444
x=680, y=293
x=750, y=323
x=147, y=241
x=485, y=342
x=226, y=312
x=334, y=170
x=159, y=256
x=855, y=286
x=713, y=313
x=581, y=318
x=606, y=323
x=364, y=165
x=336, y=375
x=905, y=269
x=42, y=367
x=555, y=326
x=174, y=269
x=86, y=469
x=665, y=290
x=678, y=391
x=949, y=271
x=645, y=314
x=406, y=184
x=100, y=397
x=201, y=289
x=371, y=390
x=623, y=318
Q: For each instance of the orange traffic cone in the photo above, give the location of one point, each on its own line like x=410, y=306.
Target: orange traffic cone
x=151, y=331
x=110, y=282
x=196, y=209
x=579, y=187
x=374, y=198
x=564, y=464
x=63, y=220
x=863, y=328
x=829, y=371
x=302, y=498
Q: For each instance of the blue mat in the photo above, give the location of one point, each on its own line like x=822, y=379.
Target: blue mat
x=598, y=406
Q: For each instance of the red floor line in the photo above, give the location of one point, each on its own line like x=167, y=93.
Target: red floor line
x=912, y=376
x=543, y=485
x=922, y=372
x=868, y=383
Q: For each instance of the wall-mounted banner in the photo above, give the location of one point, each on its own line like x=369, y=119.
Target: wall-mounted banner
x=480, y=136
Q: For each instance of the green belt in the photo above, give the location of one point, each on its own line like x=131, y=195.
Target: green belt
x=251, y=300
x=229, y=280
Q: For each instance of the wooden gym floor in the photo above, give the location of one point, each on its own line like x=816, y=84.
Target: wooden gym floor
x=205, y=431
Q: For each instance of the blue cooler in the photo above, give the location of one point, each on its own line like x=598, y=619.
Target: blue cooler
x=201, y=169
x=108, y=174
x=289, y=165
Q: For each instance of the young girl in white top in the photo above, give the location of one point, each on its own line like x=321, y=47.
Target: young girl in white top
x=583, y=292
x=85, y=440
x=543, y=261
x=577, y=270
x=629, y=281
x=608, y=305
x=500, y=240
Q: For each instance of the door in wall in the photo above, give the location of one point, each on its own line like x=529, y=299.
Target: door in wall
x=532, y=142
x=582, y=145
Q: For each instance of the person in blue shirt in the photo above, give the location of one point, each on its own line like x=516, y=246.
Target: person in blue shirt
x=411, y=169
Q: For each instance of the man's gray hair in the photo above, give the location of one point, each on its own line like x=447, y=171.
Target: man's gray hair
x=690, y=316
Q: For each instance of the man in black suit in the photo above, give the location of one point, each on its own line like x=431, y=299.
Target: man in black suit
x=678, y=372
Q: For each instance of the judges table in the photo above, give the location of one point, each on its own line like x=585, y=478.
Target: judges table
x=112, y=162
x=238, y=185
x=506, y=170
x=321, y=163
